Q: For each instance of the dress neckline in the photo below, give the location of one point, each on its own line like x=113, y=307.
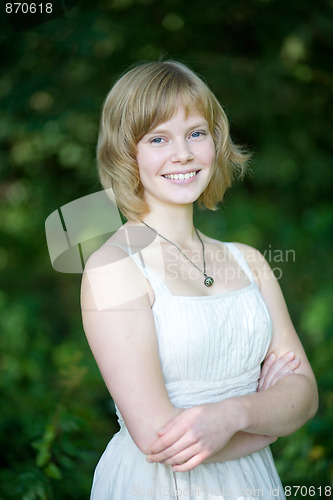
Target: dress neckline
x=161, y=291
x=166, y=293
x=205, y=298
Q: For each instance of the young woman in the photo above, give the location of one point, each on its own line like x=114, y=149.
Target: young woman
x=179, y=323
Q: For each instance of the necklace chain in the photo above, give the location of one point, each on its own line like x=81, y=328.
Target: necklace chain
x=208, y=279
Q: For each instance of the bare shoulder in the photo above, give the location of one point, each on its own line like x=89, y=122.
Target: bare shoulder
x=256, y=262
x=111, y=278
x=251, y=254
x=106, y=254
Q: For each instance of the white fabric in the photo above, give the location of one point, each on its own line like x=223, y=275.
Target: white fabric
x=210, y=349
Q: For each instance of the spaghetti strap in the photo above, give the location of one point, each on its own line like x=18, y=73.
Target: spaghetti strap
x=156, y=282
x=159, y=287
x=241, y=260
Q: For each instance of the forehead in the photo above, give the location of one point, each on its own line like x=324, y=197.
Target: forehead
x=180, y=112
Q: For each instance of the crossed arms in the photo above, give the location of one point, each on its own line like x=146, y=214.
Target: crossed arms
x=121, y=334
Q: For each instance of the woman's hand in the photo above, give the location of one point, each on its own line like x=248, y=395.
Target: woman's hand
x=196, y=434
x=275, y=369
x=193, y=435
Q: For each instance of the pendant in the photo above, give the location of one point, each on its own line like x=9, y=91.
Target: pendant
x=208, y=280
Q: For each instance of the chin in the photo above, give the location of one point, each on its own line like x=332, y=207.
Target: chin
x=183, y=200
x=173, y=198
x=186, y=198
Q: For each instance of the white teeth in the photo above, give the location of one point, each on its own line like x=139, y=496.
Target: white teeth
x=178, y=177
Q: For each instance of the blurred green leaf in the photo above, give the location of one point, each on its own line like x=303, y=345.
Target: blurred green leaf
x=270, y=65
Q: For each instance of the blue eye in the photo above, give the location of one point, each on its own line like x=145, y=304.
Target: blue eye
x=197, y=134
x=157, y=140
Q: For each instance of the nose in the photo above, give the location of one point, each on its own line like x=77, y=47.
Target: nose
x=181, y=152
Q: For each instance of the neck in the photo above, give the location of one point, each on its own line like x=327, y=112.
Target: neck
x=176, y=224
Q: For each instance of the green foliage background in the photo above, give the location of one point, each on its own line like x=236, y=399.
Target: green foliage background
x=270, y=64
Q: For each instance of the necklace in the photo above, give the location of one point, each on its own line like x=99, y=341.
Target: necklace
x=208, y=281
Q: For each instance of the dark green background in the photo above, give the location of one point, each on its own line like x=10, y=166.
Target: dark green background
x=270, y=64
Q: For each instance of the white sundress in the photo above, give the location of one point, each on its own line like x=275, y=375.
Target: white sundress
x=211, y=348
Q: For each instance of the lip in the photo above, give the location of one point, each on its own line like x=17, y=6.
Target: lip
x=182, y=181
x=188, y=171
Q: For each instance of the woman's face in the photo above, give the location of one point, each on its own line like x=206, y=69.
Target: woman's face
x=175, y=159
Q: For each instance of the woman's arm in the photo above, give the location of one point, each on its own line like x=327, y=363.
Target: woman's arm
x=240, y=445
x=200, y=432
x=291, y=402
x=120, y=329
x=243, y=443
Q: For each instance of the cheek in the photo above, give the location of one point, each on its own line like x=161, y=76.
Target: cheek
x=212, y=147
x=210, y=153
x=140, y=157
x=149, y=159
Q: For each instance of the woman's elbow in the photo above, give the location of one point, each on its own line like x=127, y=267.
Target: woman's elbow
x=144, y=443
x=312, y=400
x=314, y=404
x=143, y=437
x=145, y=432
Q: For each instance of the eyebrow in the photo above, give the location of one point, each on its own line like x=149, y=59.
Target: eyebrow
x=157, y=130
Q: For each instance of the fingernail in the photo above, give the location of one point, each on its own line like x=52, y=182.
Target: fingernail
x=271, y=356
x=148, y=458
x=291, y=354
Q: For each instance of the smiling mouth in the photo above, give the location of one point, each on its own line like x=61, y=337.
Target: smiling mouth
x=180, y=177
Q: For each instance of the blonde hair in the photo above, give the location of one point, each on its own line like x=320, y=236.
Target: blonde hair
x=143, y=98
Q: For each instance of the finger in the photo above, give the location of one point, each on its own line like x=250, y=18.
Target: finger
x=291, y=372
x=279, y=363
x=166, y=427
x=289, y=367
x=285, y=370
x=190, y=464
x=184, y=456
x=171, y=422
x=269, y=370
x=184, y=443
x=268, y=363
x=172, y=435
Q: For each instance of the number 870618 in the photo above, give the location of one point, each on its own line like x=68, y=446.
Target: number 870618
x=28, y=8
